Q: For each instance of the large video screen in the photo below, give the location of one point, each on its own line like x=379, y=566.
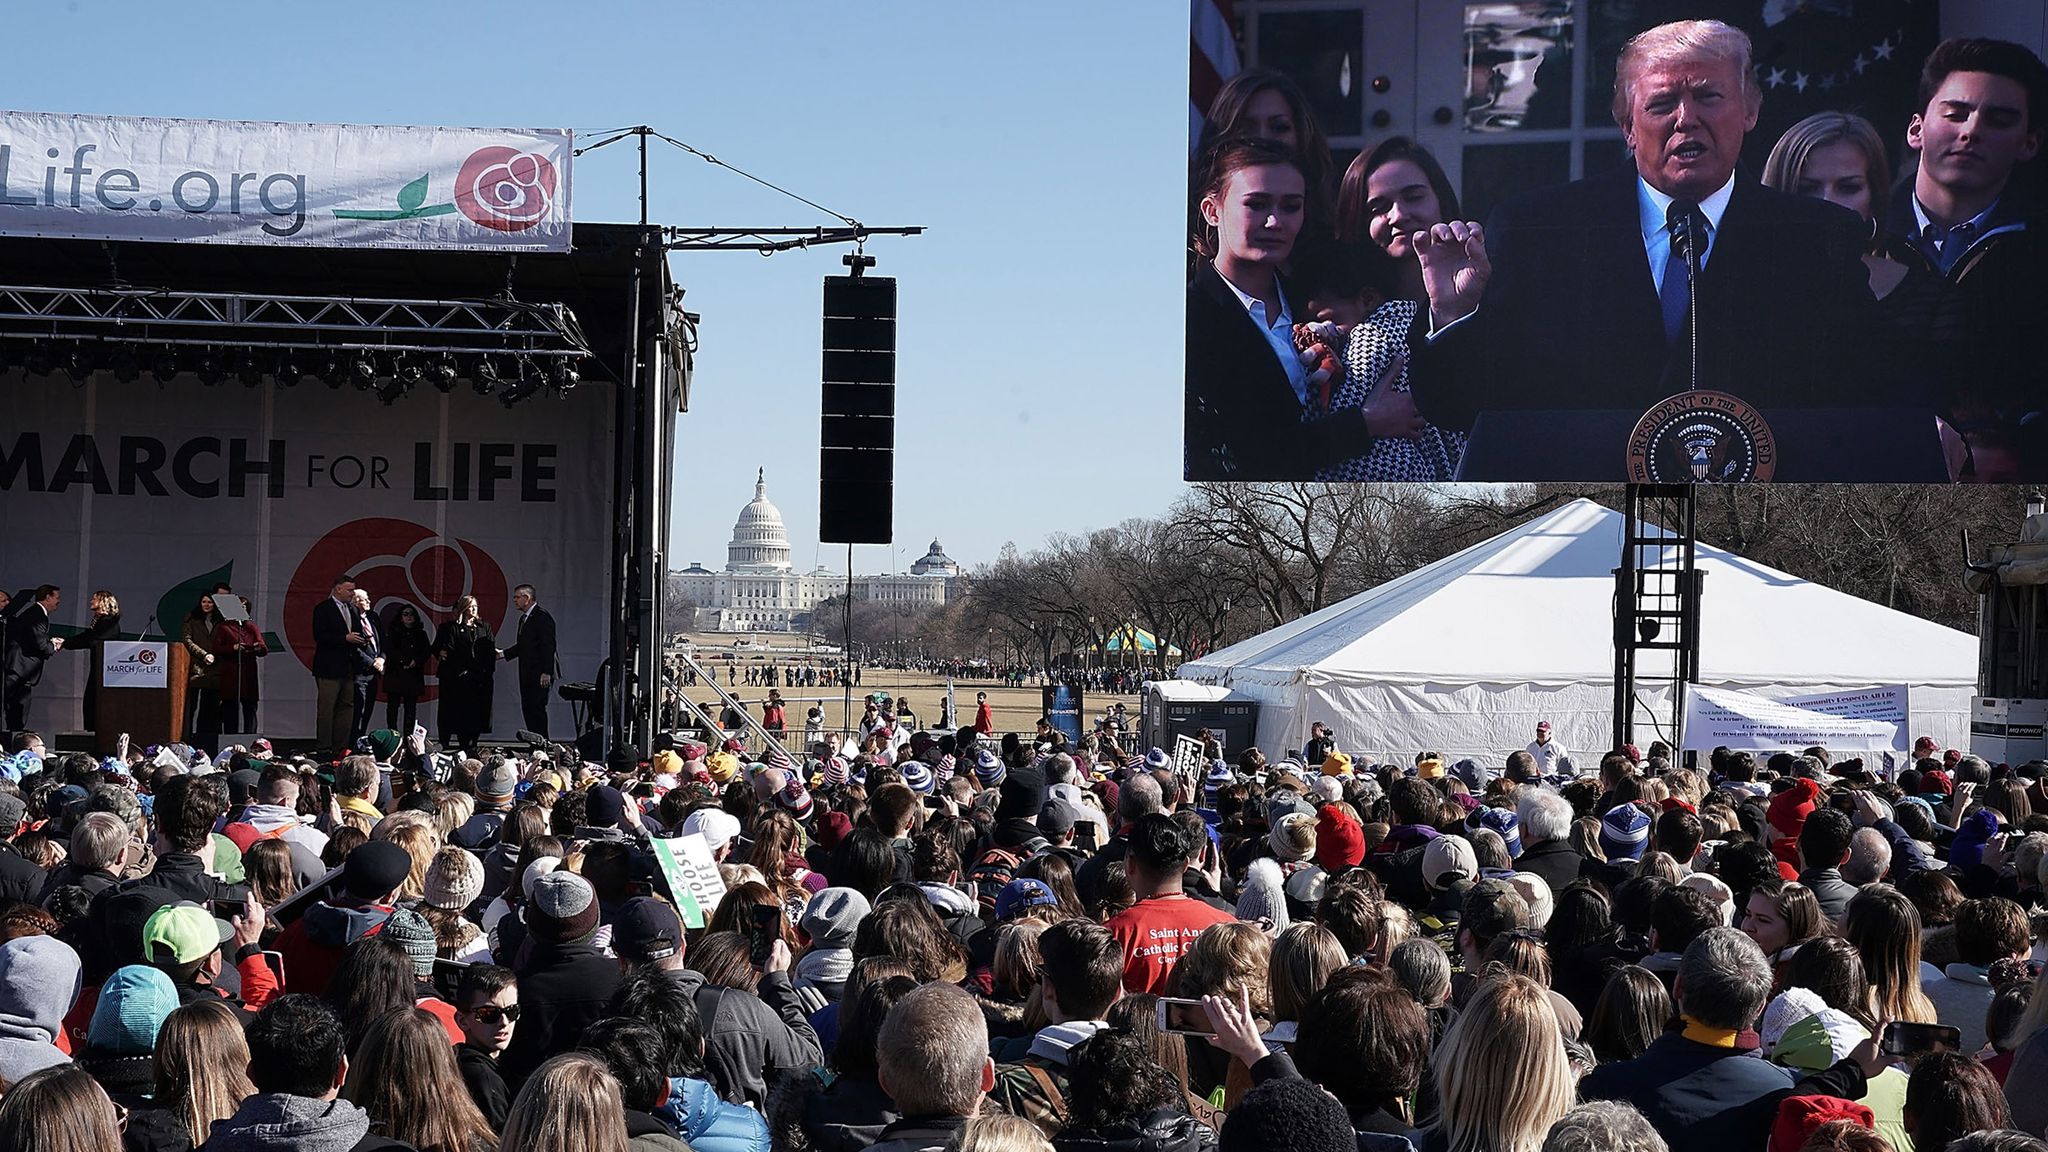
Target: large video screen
x=1612, y=240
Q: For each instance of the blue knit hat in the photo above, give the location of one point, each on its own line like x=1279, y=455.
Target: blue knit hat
x=988, y=768
x=1501, y=820
x=1219, y=775
x=1624, y=832
x=917, y=776
x=1157, y=759
x=131, y=1009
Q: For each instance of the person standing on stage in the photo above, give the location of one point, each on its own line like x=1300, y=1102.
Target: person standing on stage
x=202, y=686
x=237, y=645
x=106, y=625
x=533, y=646
x=465, y=657
x=334, y=659
x=369, y=665
x=406, y=648
x=29, y=645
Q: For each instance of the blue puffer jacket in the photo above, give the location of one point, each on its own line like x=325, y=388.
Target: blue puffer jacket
x=709, y=1124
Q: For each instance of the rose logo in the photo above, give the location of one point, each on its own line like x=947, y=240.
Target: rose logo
x=506, y=189
x=146, y=656
x=399, y=563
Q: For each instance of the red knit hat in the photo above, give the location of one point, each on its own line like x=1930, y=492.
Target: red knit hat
x=1790, y=808
x=1340, y=842
x=1936, y=781
x=1798, y=1116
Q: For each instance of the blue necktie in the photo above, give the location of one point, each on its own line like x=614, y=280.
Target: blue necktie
x=1675, y=294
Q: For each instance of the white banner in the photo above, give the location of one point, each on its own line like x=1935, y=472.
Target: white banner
x=1716, y=717
x=157, y=493
x=1890, y=703
x=310, y=185
x=130, y=664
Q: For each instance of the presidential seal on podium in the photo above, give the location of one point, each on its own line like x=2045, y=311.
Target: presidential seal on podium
x=1701, y=438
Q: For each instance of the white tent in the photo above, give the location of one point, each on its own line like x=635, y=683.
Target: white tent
x=1464, y=656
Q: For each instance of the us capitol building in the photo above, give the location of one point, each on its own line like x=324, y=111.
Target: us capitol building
x=759, y=592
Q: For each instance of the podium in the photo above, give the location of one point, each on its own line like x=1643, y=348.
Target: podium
x=1815, y=445
x=149, y=715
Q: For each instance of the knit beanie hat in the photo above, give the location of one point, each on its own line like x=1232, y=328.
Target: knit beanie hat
x=1340, y=842
x=1218, y=776
x=1790, y=808
x=1624, y=832
x=833, y=916
x=605, y=807
x=1326, y=789
x=1429, y=768
x=917, y=776
x=795, y=799
x=835, y=772
x=498, y=780
x=563, y=907
x=723, y=767
x=1799, y=1116
x=455, y=878
x=1262, y=897
x=1156, y=758
x=1501, y=820
x=988, y=768
x=1023, y=795
x=411, y=930
x=1290, y=1114
x=1293, y=837
x=1337, y=764
x=131, y=1010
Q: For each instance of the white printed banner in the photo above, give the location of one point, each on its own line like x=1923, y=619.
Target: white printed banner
x=309, y=185
x=1716, y=717
x=1887, y=702
x=134, y=664
x=157, y=494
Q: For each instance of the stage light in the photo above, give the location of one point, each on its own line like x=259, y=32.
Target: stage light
x=76, y=363
x=40, y=361
x=528, y=382
x=288, y=371
x=566, y=376
x=364, y=372
x=486, y=379
x=445, y=372
x=210, y=369
x=125, y=365
x=164, y=367
x=248, y=370
x=392, y=388
x=408, y=372
x=333, y=372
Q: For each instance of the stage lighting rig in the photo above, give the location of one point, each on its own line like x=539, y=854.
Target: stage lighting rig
x=408, y=372
x=40, y=361
x=445, y=372
x=527, y=383
x=392, y=388
x=76, y=363
x=247, y=370
x=566, y=377
x=363, y=372
x=165, y=367
x=125, y=365
x=289, y=373
x=209, y=369
x=334, y=372
x=486, y=379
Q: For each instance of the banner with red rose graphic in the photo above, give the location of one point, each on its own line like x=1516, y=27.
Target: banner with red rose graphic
x=158, y=494
x=310, y=185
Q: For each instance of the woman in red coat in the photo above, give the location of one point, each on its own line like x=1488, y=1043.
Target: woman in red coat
x=237, y=645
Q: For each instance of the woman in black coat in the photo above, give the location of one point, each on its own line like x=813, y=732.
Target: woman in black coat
x=466, y=658
x=406, y=648
x=106, y=625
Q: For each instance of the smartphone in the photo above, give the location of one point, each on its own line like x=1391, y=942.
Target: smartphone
x=1902, y=1038
x=1184, y=1017
x=276, y=962
x=764, y=929
x=447, y=978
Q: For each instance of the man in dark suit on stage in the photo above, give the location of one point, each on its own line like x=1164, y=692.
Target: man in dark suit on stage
x=334, y=665
x=29, y=645
x=533, y=646
x=369, y=665
x=1577, y=297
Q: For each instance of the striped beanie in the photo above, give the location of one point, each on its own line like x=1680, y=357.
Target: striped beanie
x=795, y=799
x=777, y=758
x=1624, y=832
x=1219, y=775
x=835, y=772
x=916, y=776
x=1501, y=820
x=948, y=766
x=1134, y=762
x=988, y=768
x=1157, y=759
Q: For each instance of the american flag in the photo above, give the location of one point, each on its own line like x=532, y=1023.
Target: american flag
x=1212, y=59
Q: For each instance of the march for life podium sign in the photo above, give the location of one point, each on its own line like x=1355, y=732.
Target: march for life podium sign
x=1741, y=722
x=135, y=664
x=310, y=185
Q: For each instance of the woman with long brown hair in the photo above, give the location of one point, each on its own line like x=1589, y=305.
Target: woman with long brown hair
x=570, y=1104
x=778, y=855
x=202, y=1071
x=404, y=1076
x=60, y=1109
x=1781, y=916
x=465, y=662
x=268, y=865
x=1263, y=104
x=1885, y=927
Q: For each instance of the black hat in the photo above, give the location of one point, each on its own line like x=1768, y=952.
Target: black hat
x=1288, y=1115
x=374, y=869
x=645, y=930
x=1023, y=794
x=606, y=807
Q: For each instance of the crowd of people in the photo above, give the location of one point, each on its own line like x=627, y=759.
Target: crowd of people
x=955, y=940
x=1383, y=324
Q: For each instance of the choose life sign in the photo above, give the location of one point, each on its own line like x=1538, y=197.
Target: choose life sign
x=310, y=185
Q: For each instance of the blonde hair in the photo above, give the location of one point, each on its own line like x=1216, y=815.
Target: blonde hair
x=1786, y=165
x=998, y=1132
x=1225, y=958
x=570, y=1104
x=201, y=1065
x=452, y=810
x=102, y=603
x=1585, y=838
x=1017, y=958
x=414, y=832
x=58, y=1109
x=1681, y=40
x=1501, y=1071
x=1303, y=958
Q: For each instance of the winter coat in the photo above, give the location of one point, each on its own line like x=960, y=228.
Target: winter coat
x=1703, y=1098
x=708, y=1124
x=38, y=982
x=314, y=944
x=563, y=989
x=1161, y=1130
x=277, y=1122
x=644, y=1133
x=750, y=1040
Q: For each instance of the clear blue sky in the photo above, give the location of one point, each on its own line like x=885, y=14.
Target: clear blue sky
x=1043, y=145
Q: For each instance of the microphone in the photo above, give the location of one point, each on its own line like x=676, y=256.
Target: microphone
x=144, y=634
x=1686, y=229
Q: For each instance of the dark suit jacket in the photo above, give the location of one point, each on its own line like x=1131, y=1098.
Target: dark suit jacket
x=334, y=658
x=366, y=654
x=1571, y=320
x=28, y=635
x=535, y=648
x=1244, y=421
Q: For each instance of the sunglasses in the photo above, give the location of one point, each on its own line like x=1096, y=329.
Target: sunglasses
x=491, y=1013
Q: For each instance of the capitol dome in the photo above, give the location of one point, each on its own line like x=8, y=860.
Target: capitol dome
x=935, y=562
x=759, y=541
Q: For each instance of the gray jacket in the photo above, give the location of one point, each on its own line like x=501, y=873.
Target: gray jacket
x=276, y=1122
x=751, y=1040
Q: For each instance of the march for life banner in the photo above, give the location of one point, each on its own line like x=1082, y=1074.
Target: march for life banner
x=135, y=664
x=309, y=185
x=1739, y=721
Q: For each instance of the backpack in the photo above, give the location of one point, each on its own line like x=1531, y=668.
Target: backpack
x=994, y=870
